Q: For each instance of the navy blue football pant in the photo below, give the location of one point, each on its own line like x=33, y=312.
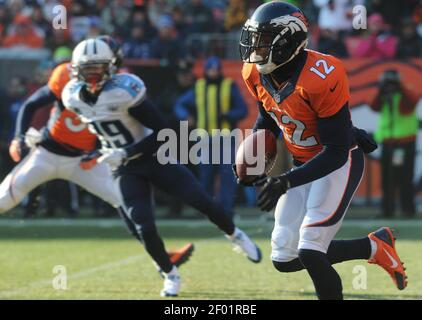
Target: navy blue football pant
x=135, y=182
x=208, y=172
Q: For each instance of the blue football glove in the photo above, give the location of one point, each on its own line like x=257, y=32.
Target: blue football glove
x=365, y=140
x=272, y=189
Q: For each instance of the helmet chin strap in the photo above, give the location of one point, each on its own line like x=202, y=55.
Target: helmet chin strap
x=270, y=66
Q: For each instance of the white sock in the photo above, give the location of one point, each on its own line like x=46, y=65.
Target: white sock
x=173, y=271
x=373, y=248
x=232, y=236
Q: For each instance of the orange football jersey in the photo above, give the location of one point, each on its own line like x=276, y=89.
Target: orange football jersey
x=318, y=89
x=64, y=126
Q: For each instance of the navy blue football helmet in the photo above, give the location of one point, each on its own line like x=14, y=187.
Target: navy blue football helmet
x=274, y=35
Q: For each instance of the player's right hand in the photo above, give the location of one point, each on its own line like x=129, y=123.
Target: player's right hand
x=243, y=183
x=15, y=149
x=89, y=160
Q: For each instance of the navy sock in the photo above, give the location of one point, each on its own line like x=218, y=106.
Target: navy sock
x=326, y=280
x=345, y=250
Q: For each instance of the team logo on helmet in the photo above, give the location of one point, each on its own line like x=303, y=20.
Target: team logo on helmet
x=291, y=22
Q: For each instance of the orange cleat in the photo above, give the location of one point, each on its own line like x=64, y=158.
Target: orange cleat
x=178, y=257
x=181, y=255
x=386, y=256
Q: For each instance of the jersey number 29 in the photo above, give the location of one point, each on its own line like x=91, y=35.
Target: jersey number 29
x=114, y=133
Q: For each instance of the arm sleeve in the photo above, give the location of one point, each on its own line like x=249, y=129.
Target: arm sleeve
x=148, y=115
x=40, y=98
x=238, y=110
x=335, y=133
x=185, y=105
x=264, y=121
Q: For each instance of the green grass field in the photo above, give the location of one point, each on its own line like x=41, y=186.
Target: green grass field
x=103, y=262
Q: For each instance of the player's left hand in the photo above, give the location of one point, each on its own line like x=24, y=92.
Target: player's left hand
x=273, y=189
x=113, y=157
x=365, y=141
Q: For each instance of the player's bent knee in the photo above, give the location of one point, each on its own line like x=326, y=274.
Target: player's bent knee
x=288, y=266
x=313, y=239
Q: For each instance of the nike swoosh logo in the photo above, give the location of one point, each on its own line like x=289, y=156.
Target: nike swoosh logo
x=334, y=88
x=394, y=262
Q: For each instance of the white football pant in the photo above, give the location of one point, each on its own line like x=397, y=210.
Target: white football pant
x=40, y=166
x=309, y=216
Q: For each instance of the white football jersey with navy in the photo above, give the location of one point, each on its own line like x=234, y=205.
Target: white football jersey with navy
x=108, y=117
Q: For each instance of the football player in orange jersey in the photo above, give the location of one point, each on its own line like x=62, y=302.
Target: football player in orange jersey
x=304, y=95
x=62, y=151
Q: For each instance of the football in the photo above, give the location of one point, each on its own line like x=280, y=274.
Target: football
x=259, y=153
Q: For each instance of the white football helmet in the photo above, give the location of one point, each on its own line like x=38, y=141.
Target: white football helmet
x=92, y=63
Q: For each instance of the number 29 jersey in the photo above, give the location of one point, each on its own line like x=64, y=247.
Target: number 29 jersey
x=109, y=116
x=318, y=89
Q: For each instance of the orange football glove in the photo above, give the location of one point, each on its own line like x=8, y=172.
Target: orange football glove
x=15, y=150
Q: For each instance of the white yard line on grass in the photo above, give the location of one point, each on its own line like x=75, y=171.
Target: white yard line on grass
x=81, y=274
x=87, y=272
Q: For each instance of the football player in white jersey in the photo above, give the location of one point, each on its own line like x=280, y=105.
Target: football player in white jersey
x=116, y=108
x=62, y=151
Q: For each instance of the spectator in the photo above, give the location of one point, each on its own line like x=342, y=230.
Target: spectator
x=59, y=38
x=392, y=11
x=156, y=9
x=236, y=15
x=15, y=7
x=215, y=103
x=94, y=27
x=199, y=17
x=397, y=130
x=23, y=33
x=336, y=14
x=61, y=54
x=39, y=21
x=140, y=18
x=377, y=42
x=184, y=81
x=115, y=17
x=4, y=21
x=179, y=22
x=330, y=42
x=410, y=43
x=167, y=46
x=138, y=46
x=80, y=22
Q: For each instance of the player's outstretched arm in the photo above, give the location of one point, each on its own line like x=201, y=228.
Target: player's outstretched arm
x=148, y=115
x=40, y=98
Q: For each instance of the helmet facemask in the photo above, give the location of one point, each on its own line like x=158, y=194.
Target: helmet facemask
x=93, y=74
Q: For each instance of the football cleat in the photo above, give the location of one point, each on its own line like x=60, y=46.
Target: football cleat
x=171, y=284
x=386, y=256
x=178, y=257
x=245, y=245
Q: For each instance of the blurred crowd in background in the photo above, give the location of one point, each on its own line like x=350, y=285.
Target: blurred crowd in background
x=177, y=32
x=177, y=29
